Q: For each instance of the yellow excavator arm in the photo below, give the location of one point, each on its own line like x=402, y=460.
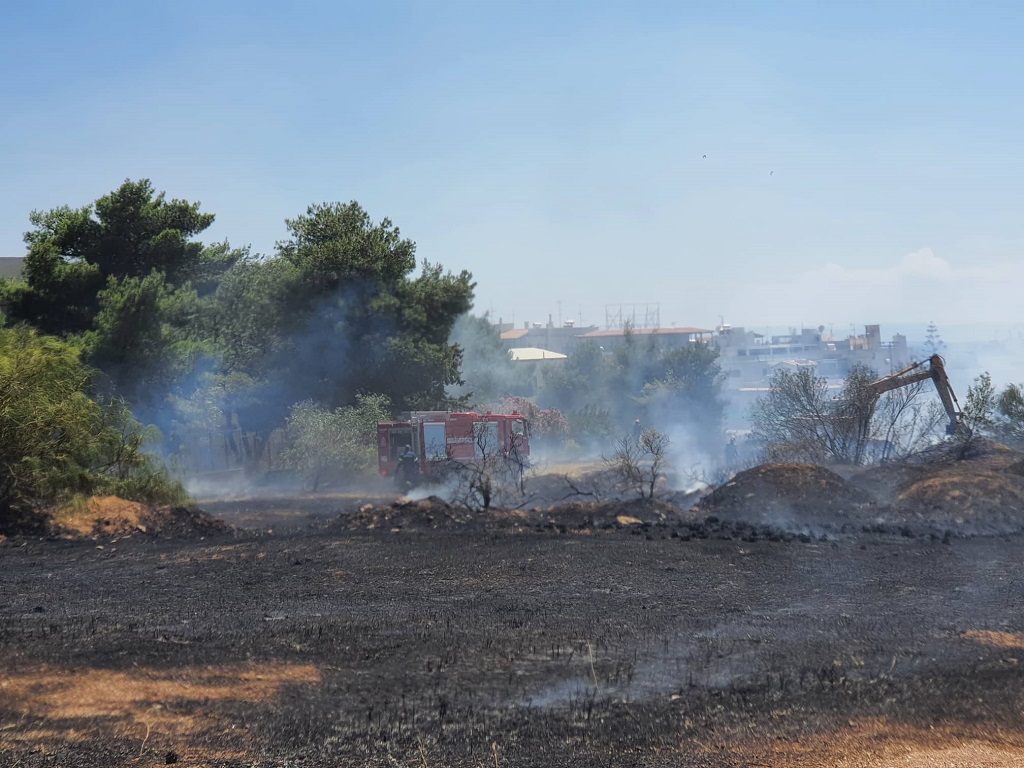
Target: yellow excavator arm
x=936, y=371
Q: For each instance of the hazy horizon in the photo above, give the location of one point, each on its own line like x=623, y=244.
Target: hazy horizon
x=785, y=164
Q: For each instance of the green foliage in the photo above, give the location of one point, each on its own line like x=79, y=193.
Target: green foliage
x=337, y=313
x=1010, y=407
x=330, y=445
x=338, y=310
x=215, y=261
x=336, y=245
x=72, y=252
x=582, y=380
x=978, y=415
x=590, y=424
x=640, y=379
x=117, y=272
x=487, y=371
x=143, y=337
x=249, y=314
x=686, y=385
x=55, y=440
x=988, y=413
x=57, y=296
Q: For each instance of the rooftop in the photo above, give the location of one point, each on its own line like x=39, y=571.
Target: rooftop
x=534, y=353
x=646, y=332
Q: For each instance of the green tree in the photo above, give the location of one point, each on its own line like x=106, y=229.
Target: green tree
x=579, y=383
x=487, y=371
x=119, y=273
x=685, y=385
x=334, y=445
x=633, y=364
x=978, y=416
x=143, y=335
x=357, y=320
x=639, y=380
x=933, y=343
x=1010, y=409
x=72, y=252
x=248, y=323
x=56, y=440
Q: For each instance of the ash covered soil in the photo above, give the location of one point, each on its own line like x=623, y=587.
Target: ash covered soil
x=793, y=617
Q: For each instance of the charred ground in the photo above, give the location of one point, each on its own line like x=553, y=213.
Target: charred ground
x=861, y=626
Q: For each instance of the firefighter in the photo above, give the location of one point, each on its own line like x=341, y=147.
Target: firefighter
x=732, y=454
x=407, y=464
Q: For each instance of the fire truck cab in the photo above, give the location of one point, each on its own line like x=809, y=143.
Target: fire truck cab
x=439, y=437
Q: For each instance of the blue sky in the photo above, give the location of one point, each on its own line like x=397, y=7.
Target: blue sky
x=863, y=160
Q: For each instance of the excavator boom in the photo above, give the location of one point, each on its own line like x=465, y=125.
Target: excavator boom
x=937, y=373
x=946, y=393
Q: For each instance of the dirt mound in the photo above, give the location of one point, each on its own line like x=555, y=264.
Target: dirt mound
x=947, y=490
x=436, y=513
x=655, y=519
x=180, y=522
x=432, y=512
x=982, y=493
x=114, y=516
x=979, y=450
x=791, y=496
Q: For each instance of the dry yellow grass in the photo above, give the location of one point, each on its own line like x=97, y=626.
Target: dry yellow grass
x=100, y=514
x=965, y=491
x=880, y=743
x=1006, y=640
x=144, y=704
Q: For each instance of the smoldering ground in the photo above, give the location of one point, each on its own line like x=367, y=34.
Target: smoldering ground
x=575, y=633
x=341, y=645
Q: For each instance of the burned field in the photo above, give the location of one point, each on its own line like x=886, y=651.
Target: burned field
x=591, y=633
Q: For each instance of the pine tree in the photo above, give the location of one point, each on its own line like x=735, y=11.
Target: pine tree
x=933, y=343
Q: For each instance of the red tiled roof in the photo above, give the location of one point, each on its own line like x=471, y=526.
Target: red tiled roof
x=515, y=333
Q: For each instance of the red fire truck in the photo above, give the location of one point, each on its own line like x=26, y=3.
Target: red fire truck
x=439, y=438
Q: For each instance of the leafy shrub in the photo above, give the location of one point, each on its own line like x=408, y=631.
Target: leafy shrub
x=326, y=445
x=590, y=424
x=57, y=441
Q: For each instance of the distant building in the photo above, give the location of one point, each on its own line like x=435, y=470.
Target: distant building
x=566, y=338
x=666, y=338
x=11, y=266
x=749, y=360
x=533, y=355
x=545, y=336
x=536, y=361
x=751, y=357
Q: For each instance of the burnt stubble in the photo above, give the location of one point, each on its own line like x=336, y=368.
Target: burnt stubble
x=510, y=645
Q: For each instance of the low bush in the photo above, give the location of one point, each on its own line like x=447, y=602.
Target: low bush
x=56, y=440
